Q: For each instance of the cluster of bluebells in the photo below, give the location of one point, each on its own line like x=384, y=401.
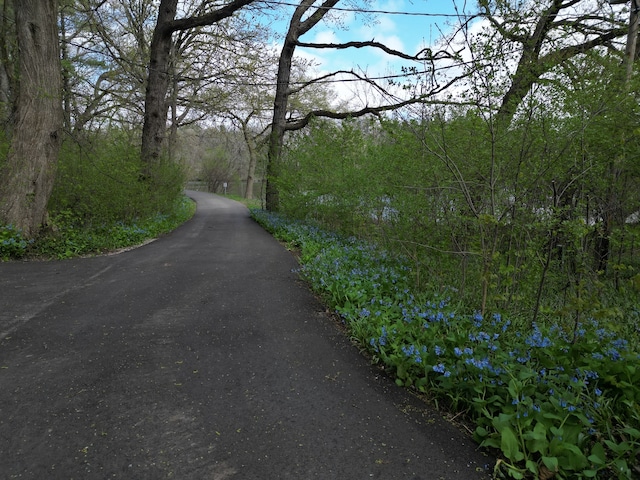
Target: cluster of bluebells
x=133, y=231
x=454, y=352
x=381, y=341
x=414, y=353
x=11, y=242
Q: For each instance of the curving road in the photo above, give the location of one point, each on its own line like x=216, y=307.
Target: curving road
x=199, y=356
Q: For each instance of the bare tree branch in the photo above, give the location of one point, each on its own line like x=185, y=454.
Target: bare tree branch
x=297, y=124
x=423, y=55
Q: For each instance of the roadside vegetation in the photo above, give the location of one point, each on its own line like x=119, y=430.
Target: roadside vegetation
x=497, y=271
x=100, y=204
x=558, y=399
x=483, y=193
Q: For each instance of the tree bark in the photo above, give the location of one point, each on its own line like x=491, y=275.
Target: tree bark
x=155, y=111
x=297, y=28
x=156, y=105
x=7, y=65
x=26, y=179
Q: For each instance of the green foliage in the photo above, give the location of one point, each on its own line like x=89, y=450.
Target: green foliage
x=535, y=222
x=69, y=238
x=216, y=168
x=101, y=201
x=12, y=245
x=554, y=400
x=100, y=180
x=514, y=223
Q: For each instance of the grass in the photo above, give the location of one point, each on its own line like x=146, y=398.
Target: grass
x=249, y=203
x=556, y=402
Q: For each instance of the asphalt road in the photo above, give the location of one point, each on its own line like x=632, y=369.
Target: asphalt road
x=200, y=356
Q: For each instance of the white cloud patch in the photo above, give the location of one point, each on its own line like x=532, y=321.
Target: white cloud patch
x=386, y=24
x=326, y=36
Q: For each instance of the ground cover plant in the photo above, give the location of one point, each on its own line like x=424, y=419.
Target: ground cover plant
x=557, y=402
x=68, y=238
x=101, y=203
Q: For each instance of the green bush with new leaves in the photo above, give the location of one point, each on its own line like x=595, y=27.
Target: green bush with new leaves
x=516, y=299
x=101, y=201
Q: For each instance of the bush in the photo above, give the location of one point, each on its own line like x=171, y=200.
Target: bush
x=68, y=239
x=101, y=201
x=99, y=181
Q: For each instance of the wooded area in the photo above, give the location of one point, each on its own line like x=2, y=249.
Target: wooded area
x=501, y=161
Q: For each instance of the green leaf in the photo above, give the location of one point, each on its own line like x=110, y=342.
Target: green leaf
x=551, y=463
x=635, y=433
x=536, y=440
x=618, y=448
x=598, y=455
x=515, y=474
x=621, y=466
x=509, y=445
x=532, y=467
x=490, y=442
x=502, y=421
x=513, y=388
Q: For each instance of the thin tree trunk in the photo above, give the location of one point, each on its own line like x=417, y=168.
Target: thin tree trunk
x=26, y=180
x=253, y=160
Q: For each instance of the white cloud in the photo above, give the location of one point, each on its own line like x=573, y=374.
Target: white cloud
x=386, y=24
x=326, y=36
x=390, y=6
x=393, y=41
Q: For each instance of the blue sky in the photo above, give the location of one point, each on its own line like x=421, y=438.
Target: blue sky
x=407, y=33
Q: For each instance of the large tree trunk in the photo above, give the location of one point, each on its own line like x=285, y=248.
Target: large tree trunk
x=156, y=105
x=279, y=121
x=155, y=110
x=297, y=28
x=26, y=179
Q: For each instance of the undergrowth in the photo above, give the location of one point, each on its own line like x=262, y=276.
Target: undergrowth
x=67, y=236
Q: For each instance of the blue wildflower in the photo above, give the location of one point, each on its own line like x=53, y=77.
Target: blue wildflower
x=440, y=368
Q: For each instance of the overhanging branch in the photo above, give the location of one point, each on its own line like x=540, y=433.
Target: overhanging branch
x=300, y=123
x=425, y=54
